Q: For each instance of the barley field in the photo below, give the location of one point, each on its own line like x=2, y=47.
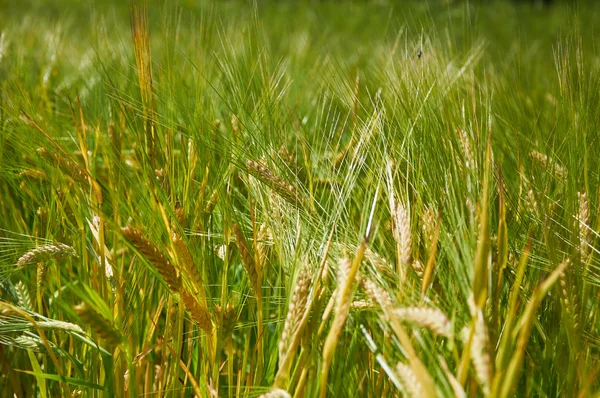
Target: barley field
x=299, y=199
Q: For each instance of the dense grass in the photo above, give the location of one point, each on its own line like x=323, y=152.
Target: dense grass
x=328, y=199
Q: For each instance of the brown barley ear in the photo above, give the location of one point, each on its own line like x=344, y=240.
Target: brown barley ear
x=247, y=258
x=154, y=256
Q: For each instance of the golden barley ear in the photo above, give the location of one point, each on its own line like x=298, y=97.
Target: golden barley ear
x=377, y=294
x=586, y=237
x=66, y=166
x=480, y=357
x=429, y=318
x=276, y=393
x=199, y=312
x=296, y=310
x=549, y=164
x=154, y=256
x=410, y=382
x=45, y=253
x=286, y=190
x=101, y=326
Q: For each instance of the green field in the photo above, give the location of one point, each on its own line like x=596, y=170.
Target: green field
x=299, y=199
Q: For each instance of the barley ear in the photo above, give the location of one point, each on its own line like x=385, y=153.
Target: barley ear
x=44, y=253
x=296, y=309
x=199, y=312
x=154, y=256
x=247, y=258
x=101, y=326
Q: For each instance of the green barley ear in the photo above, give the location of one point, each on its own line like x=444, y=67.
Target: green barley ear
x=23, y=296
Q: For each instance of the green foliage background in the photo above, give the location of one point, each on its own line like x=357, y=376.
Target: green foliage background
x=336, y=101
